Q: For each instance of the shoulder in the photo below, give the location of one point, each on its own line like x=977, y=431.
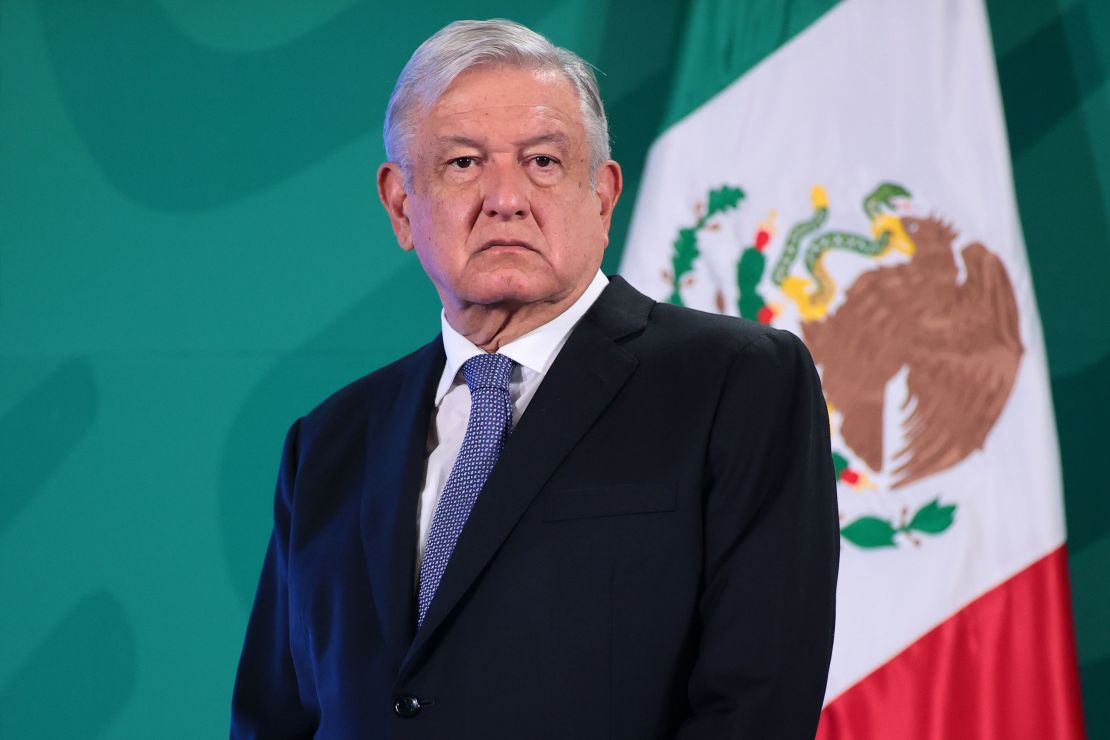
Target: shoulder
x=696, y=350
x=356, y=403
x=745, y=344
x=644, y=325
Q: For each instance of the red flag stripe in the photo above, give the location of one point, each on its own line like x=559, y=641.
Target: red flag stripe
x=1004, y=666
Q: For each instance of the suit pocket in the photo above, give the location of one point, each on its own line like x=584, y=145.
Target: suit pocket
x=627, y=498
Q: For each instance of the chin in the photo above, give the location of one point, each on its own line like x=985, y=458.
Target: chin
x=512, y=287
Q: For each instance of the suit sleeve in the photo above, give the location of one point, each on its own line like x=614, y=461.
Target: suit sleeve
x=267, y=703
x=771, y=552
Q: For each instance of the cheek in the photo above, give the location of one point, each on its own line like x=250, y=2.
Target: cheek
x=442, y=219
x=457, y=211
x=571, y=231
x=580, y=221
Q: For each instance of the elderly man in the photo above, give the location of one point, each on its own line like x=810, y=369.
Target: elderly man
x=575, y=514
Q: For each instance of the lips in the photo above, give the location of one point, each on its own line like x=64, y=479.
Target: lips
x=507, y=243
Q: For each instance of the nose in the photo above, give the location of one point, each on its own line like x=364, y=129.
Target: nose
x=506, y=191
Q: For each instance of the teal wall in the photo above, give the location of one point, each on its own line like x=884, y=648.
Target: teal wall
x=1053, y=64
x=192, y=255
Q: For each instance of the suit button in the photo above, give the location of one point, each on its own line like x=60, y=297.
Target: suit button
x=407, y=706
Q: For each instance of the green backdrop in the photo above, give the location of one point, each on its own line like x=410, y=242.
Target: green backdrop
x=192, y=255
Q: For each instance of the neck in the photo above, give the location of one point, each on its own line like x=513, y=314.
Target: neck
x=490, y=327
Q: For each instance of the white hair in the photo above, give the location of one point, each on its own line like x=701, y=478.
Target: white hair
x=462, y=45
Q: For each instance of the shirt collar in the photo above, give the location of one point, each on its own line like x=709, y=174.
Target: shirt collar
x=535, y=350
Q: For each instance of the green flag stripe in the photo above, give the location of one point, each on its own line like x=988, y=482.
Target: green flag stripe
x=724, y=39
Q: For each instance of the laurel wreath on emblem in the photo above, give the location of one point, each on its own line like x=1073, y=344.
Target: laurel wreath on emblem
x=959, y=340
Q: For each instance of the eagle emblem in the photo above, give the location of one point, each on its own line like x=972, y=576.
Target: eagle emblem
x=950, y=335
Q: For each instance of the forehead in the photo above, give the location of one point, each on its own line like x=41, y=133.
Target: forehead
x=494, y=100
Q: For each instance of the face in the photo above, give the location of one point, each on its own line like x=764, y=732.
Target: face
x=500, y=210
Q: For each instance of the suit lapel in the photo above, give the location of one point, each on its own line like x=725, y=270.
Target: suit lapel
x=589, y=371
x=396, y=450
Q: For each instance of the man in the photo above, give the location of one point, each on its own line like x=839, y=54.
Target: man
x=576, y=514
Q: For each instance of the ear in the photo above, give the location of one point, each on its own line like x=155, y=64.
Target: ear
x=391, y=190
x=609, y=181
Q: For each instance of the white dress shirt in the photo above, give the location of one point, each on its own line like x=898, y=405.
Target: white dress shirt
x=533, y=352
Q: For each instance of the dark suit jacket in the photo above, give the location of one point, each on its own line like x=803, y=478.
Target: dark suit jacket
x=653, y=556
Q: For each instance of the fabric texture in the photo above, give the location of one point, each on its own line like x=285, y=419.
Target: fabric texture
x=489, y=426
x=660, y=533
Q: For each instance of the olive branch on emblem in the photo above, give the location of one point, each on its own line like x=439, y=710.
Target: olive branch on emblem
x=720, y=199
x=871, y=531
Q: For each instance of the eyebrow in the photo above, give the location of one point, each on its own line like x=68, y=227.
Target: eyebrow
x=555, y=138
x=442, y=142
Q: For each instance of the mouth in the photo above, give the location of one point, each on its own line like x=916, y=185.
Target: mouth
x=498, y=245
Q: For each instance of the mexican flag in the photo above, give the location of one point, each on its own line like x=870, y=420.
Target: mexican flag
x=841, y=171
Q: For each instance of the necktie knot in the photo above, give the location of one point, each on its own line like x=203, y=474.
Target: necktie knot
x=488, y=371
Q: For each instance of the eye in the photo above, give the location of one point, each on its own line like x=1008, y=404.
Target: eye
x=461, y=162
x=543, y=161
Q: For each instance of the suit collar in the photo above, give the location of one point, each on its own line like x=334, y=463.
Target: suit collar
x=584, y=378
x=535, y=350
x=620, y=310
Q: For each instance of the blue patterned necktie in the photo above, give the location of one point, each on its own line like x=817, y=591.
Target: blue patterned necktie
x=487, y=429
